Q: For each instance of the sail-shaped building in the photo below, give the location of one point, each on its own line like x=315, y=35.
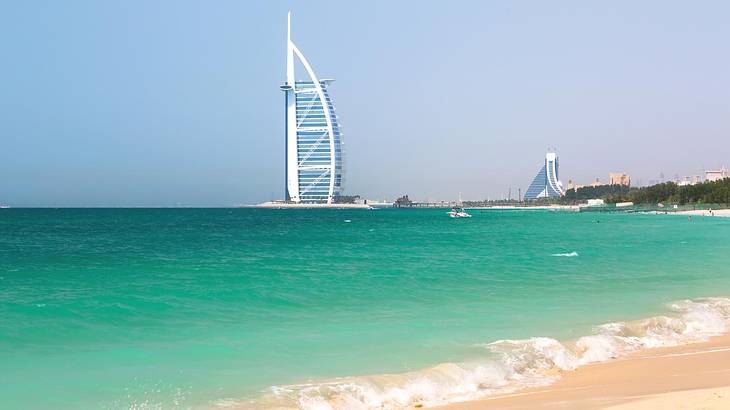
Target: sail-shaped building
x=313, y=139
x=546, y=183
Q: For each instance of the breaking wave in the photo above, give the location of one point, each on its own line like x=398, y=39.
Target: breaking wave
x=509, y=365
x=569, y=254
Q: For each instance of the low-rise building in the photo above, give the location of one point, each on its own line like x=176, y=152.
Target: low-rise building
x=712, y=176
x=573, y=185
x=685, y=182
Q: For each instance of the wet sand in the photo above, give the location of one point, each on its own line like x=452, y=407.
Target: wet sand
x=693, y=376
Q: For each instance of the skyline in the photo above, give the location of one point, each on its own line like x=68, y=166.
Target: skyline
x=157, y=104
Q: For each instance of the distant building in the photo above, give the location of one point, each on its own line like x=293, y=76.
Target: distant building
x=619, y=178
x=573, y=185
x=546, y=183
x=313, y=166
x=712, y=176
x=685, y=182
x=403, y=201
x=689, y=180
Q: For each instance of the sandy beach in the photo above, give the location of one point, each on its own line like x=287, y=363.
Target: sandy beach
x=705, y=212
x=692, y=376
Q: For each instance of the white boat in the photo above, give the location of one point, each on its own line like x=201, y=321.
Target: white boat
x=459, y=213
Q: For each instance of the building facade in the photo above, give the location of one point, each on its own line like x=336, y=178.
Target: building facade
x=314, y=166
x=619, y=178
x=712, y=176
x=546, y=183
x=573, y=185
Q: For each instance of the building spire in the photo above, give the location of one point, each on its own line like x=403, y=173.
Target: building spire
x=289, y=52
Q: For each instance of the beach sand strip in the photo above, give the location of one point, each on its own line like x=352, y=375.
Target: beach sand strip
x=693, y=376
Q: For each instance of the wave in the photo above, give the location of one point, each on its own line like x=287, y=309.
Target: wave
x=509, y=365
x=569, y=254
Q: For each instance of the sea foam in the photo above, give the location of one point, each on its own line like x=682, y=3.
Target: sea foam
x=509, y=365
x=567, y=255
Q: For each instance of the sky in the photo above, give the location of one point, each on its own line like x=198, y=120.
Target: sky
x=168, y=103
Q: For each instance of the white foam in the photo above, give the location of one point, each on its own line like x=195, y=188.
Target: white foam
x=534, y=354
x=511, y=364
x=567, y=255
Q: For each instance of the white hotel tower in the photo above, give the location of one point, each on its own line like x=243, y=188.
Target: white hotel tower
x=546, y=183
x=313, y=138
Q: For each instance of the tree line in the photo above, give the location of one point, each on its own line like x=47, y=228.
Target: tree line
x=715, y=192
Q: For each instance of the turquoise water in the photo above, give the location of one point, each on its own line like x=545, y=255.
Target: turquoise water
x=179, y=308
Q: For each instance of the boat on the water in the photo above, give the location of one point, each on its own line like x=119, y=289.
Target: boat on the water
x=459, y=213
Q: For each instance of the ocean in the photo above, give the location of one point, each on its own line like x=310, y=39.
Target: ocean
x=338, y=309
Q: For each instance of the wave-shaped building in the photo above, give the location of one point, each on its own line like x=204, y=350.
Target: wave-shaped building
x=314, y=166
x=546, y=183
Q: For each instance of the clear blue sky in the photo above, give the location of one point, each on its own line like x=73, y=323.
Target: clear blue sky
x=155, y=103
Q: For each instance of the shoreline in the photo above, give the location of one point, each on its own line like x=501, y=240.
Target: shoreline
x=282, y=205
x=725, y=213
x=688, y=376
x=569, y=208
x=618, y=362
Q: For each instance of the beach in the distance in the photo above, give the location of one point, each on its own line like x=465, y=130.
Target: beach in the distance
x=706, y=212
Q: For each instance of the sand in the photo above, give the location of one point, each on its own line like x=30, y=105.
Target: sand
x=693, y=376
x=707, y=399
x=705, y=212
